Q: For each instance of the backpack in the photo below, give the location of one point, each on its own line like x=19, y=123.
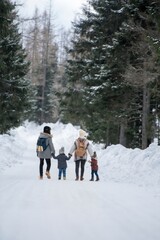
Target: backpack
x=41, y=144
x=81, y=148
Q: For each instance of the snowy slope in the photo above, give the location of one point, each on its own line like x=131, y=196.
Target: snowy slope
x=123, y=205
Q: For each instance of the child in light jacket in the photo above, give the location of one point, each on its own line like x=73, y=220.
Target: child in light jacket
x=94, y=167
x=62, y=163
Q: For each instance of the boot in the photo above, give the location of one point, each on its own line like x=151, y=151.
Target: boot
x=97, y=179
x=64, y=178
x=81, y=178
x=91, y=179
x=77, y=178
x=41, y=177
x=48, y=175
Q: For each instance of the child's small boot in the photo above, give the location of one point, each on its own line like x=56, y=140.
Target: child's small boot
x=97, y=179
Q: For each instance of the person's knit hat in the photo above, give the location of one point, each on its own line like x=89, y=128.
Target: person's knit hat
x=47, y=129
x=82, y=134
x=94, y=154
x=61, y=150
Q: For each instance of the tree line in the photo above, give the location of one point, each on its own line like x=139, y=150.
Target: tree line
x=113, y=72
x=104, y=76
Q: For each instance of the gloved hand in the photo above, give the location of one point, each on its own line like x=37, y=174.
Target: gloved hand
x=53, y=155
x=69, y=155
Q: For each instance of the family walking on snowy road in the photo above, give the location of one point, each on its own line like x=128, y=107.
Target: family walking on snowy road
x=45, y=150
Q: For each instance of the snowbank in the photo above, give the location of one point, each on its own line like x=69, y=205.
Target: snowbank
x=116, y=163
x=137, y=166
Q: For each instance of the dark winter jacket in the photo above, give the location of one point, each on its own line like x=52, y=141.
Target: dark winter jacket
x=62, y=158
x=94, y=164
x=50, y=148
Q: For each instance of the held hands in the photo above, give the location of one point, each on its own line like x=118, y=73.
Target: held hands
x=69, y=155
x=53, y=155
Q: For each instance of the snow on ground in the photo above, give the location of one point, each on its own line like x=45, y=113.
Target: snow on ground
x=123, y=205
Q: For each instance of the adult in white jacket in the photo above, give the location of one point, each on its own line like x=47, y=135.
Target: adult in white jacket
x=80, y=149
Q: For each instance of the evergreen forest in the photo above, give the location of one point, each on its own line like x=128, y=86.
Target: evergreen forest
x=113, y=72
x=102, y=75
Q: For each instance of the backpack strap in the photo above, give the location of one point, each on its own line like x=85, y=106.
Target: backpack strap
x=79, y=139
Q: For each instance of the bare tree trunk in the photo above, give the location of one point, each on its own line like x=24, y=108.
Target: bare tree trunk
x=107, y=136
x=47, y=28
x=145, y=112
x=122, y=135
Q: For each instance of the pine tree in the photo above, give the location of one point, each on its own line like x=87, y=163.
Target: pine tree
x=142, y=68
x=113, y=55
x=15, y=89
x=92, y=67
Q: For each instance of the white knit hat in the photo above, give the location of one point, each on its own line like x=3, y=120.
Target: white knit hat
x=82, y=134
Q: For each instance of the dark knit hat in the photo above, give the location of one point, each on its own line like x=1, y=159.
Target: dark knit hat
x=94, y=154
x=47, y=129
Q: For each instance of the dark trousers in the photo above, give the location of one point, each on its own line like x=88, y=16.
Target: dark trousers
x=94, y=172
x=48, y=162
x=79, y=163
x=62, y=171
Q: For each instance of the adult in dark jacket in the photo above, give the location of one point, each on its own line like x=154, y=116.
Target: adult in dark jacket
x=47, y=153
x=62, y=163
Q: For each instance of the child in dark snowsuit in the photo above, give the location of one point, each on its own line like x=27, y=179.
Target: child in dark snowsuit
x=94, y=167
x=62, y=164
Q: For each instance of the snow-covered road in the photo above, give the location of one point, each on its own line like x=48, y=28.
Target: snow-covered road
x=112, y=209
x=56, y=210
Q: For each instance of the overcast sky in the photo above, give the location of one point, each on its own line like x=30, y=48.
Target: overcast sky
x=64, y=11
